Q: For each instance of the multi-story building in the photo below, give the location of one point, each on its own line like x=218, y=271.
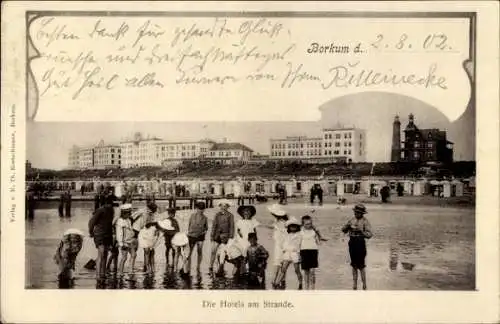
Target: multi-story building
x=336, y=144
x=425, y=145
x=139, y=152
x=227, y=153
x=74, y=158
x=107, y=156
x=86, y=158
x=296, y=147
x=345, y=144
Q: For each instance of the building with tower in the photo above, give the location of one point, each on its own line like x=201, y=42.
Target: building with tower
x=421, y=145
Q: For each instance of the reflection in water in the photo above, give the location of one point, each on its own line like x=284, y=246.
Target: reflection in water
x=407, y=239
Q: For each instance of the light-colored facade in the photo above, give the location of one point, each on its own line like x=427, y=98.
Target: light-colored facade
x=230, y=152
x=74, y=158
x=348, y=143
x=107, y=156
x=175, y=151
x=86, y=158
x=296, y=147
x=335, y=144
x=139, y=152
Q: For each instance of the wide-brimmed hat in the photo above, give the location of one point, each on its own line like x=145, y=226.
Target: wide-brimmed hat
x=225, y=202
x=360, y=208
x=252, y=209
x=166, y=224
x=180, y=239
x=126, y=207
x=292, y=221
x=73, y=231
x=277, y=211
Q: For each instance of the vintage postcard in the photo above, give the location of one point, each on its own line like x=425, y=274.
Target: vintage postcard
x=281, y=162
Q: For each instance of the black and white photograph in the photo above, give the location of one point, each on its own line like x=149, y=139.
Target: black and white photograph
x=238, y=161
x=379, y=194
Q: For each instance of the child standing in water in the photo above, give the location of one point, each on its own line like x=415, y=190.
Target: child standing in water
x=291, y=252
x=309, y=251
x=257, y=257
x=148, y=237
x=279, y=234
x=125, y=237
x=359, y=229
x=170, y=227
x=245, y=226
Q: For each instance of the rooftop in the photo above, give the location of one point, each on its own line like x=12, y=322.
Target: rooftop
x=230, y=146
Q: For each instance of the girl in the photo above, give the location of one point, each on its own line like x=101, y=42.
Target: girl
x=148, y=237
x=245, y=226
x=291, y=251
x=279, y=234
x=125, y=237
x=358, y=229
x=309, y=251
x=180, y=243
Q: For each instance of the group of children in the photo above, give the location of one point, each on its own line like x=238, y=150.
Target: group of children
x=295, y=243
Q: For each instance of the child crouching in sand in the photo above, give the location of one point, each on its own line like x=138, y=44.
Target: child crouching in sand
x=67, y=251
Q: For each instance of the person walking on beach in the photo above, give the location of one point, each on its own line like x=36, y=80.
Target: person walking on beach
x=359, y=229
x=197, y=229
x=222, y=229
x=67, y=203
x=101, y=229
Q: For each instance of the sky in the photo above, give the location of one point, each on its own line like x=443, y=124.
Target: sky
x=48, y=143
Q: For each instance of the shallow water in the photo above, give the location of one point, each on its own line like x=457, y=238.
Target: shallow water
x=439, y=242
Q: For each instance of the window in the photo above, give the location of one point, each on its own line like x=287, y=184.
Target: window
x=345, y=135
x=349, y=152
x=416, y=144
x=326, y=136
x=350, y=144
x=360, y=137
x=337, y=144
x=329, y=152
x=345, y=152
x=325, y=152
x=430, y=144
x=416, y=155
x=336, y=152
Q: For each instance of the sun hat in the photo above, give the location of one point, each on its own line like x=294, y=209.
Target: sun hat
x=360, y=208
x=166, y=224
x=252, y=209
x=73, y=231
x=277, y=211
x=292, y=221
x=126, y=207
x=180, y=239
x=225, y=202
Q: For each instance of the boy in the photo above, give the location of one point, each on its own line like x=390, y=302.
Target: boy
x=101, y=229
x=65, y=257
x=358, y=229
x=197, y=229
x=257, y=257
x=222, y=229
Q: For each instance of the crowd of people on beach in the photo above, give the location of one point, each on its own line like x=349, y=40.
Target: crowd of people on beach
x=119, y=236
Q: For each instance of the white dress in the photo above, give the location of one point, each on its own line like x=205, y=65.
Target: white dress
x=279, y=234
x=148, y=237
x=245, y=226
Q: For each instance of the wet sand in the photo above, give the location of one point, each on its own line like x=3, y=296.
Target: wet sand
x=438, y=241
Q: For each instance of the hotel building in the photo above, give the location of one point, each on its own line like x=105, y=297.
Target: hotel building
x=335, y=144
